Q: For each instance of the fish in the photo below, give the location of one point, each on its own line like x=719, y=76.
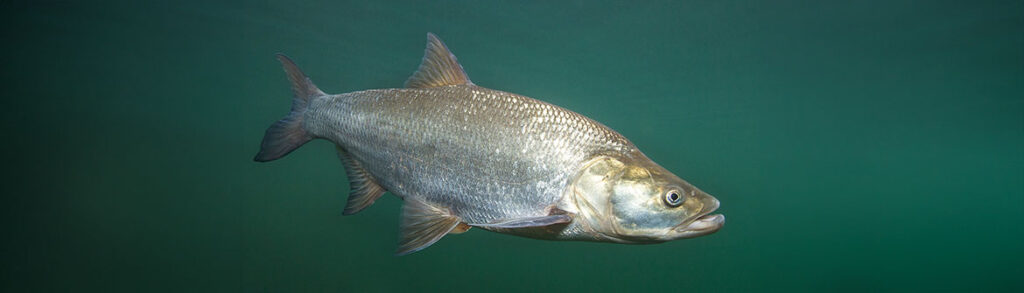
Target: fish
x=461, y=156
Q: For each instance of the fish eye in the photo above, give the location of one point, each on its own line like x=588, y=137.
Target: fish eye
x=673, y=198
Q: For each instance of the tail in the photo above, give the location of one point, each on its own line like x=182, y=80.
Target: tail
x=287, y=134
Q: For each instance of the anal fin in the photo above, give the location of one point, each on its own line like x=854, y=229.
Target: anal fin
x=364, y=190
x=422, y=225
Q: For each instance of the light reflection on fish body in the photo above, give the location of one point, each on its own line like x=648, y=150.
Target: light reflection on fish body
x=463, y=156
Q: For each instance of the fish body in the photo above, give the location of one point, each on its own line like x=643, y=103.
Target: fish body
x=487, y=155
x=463, y=156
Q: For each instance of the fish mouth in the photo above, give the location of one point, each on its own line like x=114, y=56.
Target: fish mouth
x=706, y=223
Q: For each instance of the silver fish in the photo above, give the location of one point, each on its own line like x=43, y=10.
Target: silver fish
x=464, y=156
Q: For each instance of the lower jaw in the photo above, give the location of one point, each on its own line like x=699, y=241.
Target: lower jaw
x=704, y=225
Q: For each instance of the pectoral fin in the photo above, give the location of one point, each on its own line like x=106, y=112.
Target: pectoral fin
x=529, y=222
x=422, y=225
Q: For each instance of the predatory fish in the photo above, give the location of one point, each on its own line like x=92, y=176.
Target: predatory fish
x=463, y=156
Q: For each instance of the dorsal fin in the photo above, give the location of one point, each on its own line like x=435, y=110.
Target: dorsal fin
x=438, y=68
x=364, y=189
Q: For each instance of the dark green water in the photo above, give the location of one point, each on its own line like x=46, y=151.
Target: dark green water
x=876, y=146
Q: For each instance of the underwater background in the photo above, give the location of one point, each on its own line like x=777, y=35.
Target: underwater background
x=862, y=146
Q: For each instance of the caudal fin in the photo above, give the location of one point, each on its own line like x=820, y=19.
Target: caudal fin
x=286, y=135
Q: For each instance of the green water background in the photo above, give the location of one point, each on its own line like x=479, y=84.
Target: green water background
x=862, y=146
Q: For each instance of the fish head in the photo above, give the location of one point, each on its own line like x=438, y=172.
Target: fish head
x=634, y=200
